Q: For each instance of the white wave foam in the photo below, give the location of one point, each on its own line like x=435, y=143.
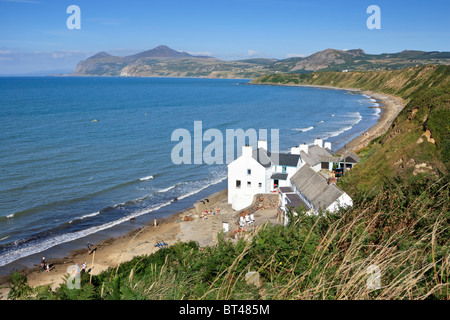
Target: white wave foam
x=47, y=244
x=355, y=118
x=168, y=188
x=86, y=216
x=303, y=129
x=146, y=178
x=10, y=215
x=202, y=188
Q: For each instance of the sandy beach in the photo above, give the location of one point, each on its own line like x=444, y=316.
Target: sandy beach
x=112, y=252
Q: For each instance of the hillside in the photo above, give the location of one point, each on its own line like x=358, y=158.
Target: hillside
x=357, y=59
x=163, y=61
x=417, y=144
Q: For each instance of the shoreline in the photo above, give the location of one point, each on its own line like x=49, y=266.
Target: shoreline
x=390, y=106
x=141, y=241
x=109, y=253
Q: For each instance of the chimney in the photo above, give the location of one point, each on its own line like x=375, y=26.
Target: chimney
x=303, y=147
x=327, y=145
x=295, y=150
x=262, y=144
x=318, y=142
x=247, y=151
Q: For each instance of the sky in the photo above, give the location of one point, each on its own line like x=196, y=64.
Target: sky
x=34, y=36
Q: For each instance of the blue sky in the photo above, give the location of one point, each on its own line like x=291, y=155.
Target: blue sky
x=34, y=35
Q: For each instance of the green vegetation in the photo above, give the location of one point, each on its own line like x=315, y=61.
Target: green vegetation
x=403, y=230
x=399, y=222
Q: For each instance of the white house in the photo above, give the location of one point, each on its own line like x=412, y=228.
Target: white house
x=292, y=174
x=259, y=171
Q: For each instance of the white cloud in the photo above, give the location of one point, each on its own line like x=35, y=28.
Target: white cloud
x=252, y=53
x=295, y=55
x=5, y=51
x=200, y=53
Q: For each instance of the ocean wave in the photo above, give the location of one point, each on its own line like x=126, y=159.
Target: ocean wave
x=146, y=178
x=90, y=215
x=354, y=119
x=41, y=242
x=303, y=129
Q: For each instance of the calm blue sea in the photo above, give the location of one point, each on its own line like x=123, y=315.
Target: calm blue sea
x=81, y=156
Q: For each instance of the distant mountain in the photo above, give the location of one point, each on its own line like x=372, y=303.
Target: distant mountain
x=163, y=61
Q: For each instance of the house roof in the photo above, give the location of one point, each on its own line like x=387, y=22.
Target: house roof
x=318, y=151
x=286, y=190
x=266, y=158
x=350, y=157
x=310, y=159
x=315, y=187
x=295, y=201
x=279, y=176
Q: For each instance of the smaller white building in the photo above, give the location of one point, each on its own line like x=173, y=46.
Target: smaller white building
x=316, y=193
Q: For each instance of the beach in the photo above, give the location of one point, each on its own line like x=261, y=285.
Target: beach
x=112, y=252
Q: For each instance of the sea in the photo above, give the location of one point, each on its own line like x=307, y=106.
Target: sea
x=82, y=156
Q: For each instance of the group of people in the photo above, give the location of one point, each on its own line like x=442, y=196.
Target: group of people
x=210, y=212
x=44, y=265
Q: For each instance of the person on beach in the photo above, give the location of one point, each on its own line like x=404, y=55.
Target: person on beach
x=155, y=223
x=43, y=264
x=89, y=245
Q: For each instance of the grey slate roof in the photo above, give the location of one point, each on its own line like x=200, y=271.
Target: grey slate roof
x=317, y=155
x=310, y=159
x=295, y=201
x=318, y=151
x=350, y=157
x=315, y=187
x=266, y=158
x=286, y=190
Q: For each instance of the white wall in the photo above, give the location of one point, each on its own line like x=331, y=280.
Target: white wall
x=342, y=202
x=237, y=170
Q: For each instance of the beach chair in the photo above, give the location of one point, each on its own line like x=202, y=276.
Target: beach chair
x=241, y=222
x=161, y=244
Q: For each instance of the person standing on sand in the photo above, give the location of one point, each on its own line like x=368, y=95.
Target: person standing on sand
x=43, y=264
x=155, y=223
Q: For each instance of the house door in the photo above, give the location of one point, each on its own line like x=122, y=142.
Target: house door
x=275, y=184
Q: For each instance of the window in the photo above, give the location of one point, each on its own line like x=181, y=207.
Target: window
x=249, y=184
x=283, y=169
x=238, y=183
x=249, y=171
x=260, y=185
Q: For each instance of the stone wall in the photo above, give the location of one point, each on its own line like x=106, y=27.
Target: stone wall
x=262, y=201
x=210, y=201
